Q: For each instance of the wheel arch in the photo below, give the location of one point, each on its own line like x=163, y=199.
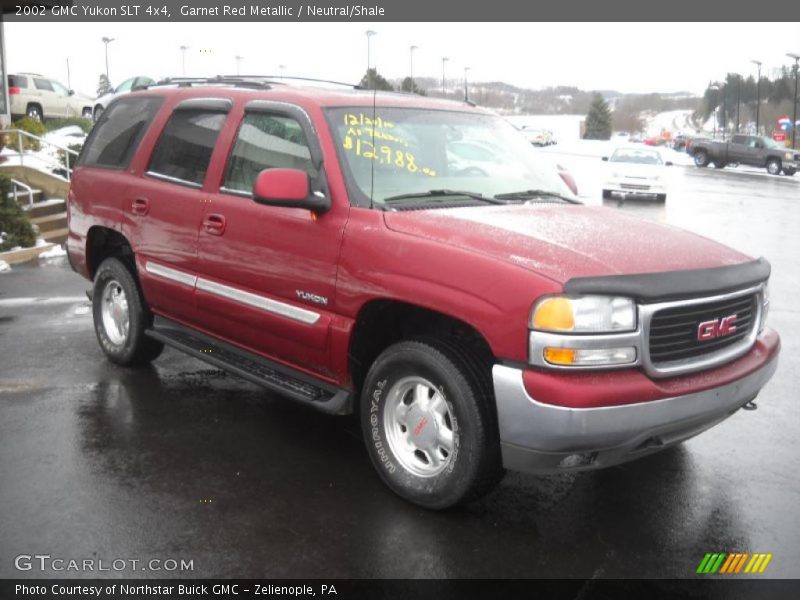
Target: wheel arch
x=104, y=242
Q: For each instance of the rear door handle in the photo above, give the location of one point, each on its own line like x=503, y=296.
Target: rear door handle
x=214, y=224
x=140, y=206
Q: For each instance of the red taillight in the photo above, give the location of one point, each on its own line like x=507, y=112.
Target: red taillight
x=13, y=91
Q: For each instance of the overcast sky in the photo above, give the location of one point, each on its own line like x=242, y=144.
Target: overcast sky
x=639, y=57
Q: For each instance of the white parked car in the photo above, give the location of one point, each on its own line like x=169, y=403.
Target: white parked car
x=636, y=171
x=41, y=97
x=123, y=88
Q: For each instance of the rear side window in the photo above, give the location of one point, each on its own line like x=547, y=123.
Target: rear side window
x=115, y=138
x=42, y=84
x=266, y=141
x=17, y=81
x=184, y=149
x=739, y=139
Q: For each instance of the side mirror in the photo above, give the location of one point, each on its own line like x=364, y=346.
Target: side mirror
x=70, y=92
x=290, y=188
x=668, y=163
x=605, y=158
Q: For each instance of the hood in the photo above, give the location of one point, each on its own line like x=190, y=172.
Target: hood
x=566, y=241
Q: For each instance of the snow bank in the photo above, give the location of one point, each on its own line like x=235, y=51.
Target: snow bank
x=54, y=252
x=4, y=267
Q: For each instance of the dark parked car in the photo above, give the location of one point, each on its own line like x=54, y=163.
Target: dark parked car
x=753, y=150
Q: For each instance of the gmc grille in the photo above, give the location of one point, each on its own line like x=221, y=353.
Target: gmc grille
x=674, y=331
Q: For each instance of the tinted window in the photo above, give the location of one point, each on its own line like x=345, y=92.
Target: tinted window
x=739, y=139
x=116, y=136
x=17, y=81
x=266, y=141
x=185, y=146
x=42, y=84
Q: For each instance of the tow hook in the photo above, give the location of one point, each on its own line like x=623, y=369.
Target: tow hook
x=750, y=406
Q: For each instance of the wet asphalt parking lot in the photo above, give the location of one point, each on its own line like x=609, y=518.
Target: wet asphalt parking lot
x=181, y=461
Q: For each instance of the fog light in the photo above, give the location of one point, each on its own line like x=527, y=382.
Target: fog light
x=590, y=356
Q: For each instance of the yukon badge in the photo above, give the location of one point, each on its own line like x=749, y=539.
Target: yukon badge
x=309, y=297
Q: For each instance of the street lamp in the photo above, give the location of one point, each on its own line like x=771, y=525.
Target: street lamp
x=369, y=33
x=738, y=98
x=411, y=65
x=444, y=61
x=716, y=88
x=282, y=69
x=796, y=57
x=758, y=92
x=107, y=41
x=238, y=59
x=183, y=59
x=466, y=89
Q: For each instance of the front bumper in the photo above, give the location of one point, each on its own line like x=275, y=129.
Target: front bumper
x=636, y=187
x=545, y=438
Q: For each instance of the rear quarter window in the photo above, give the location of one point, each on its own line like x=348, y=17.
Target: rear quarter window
x=115, y=138
x=17, y=81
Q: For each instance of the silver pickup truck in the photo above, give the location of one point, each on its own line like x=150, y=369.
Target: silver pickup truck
x=756, y=151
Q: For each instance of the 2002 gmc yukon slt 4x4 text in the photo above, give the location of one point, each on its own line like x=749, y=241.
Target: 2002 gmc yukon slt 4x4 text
x=412, y=260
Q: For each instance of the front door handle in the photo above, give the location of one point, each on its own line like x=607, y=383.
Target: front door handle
x=214, y=224
x=140, y=206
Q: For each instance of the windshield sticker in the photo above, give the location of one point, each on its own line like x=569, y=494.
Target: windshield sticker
x=363, y=130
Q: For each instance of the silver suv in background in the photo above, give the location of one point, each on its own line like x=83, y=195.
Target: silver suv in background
x=42, y=98
x=123, y=88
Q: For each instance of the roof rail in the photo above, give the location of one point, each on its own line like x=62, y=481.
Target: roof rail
x=279, y=79
x=219, y=79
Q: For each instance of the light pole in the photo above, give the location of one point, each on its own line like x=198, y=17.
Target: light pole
x=758, y=92
x=466, y=88
x=238, y=59
x=183, y=59
x=716, y=88
x=411, y=65
x=69, y=82
x=282, y=69
x=107, y=41
x=796, y=57
x=369, y=33
x=738, y=98
x=444, y=61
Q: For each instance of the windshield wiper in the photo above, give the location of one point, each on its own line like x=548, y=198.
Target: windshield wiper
x=445, y=194
x=531, y=194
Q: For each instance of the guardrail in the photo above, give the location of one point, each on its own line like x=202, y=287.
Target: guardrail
x=20, y=134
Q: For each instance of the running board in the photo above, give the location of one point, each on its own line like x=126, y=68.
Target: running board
x=252, y=367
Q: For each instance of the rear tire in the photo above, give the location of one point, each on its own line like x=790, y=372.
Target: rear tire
x=121, y=316
x=34, y=111
x=98, y=111
x=87, y=112
x=661, y=197
x=701, y=158
x=774, y=166
x=427, y=417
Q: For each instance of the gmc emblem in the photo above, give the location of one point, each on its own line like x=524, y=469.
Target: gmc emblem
x=708, y=330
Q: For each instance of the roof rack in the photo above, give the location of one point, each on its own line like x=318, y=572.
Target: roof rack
x=279, y=80
x=236, y=81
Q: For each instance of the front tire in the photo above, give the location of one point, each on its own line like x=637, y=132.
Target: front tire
x=34, y=111
x=427, y=418
x=606, y=194
x=774, y=166
x=121, y=316
x=661, y=197
x=789, y=172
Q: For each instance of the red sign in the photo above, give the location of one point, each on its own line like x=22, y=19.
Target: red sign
x=779, y=136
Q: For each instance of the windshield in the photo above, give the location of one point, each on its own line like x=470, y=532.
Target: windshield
x=410, y=153
x=640, y=157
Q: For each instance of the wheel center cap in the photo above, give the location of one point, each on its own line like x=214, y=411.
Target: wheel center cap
x=423, y=427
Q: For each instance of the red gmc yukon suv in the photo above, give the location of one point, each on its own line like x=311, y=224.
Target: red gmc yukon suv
x=411, y=260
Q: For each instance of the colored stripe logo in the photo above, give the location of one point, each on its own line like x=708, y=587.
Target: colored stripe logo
x=721, y=563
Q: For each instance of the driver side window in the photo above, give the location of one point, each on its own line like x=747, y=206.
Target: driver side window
x=265, y=141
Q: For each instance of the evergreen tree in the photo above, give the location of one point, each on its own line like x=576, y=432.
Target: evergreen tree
x=15, y=229
x=407, y=85
x=598, y=120
x=104, y=85
x=374, y=80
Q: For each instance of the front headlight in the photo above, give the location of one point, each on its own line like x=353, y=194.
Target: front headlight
x=788, y=156
x=584, y=314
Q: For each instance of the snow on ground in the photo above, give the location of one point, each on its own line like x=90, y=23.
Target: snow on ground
x=47, y=157
x=4, y=267
x=565, y=128
x=54, y=252
x=674, y=121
